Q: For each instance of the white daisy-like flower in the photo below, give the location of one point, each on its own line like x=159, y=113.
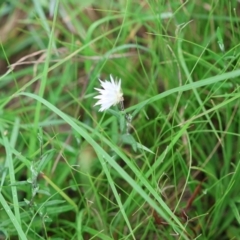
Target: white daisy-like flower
x=110, y=95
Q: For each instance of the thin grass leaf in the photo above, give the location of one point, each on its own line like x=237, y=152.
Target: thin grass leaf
x=166, y=213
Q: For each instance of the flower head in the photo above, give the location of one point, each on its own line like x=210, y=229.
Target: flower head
x=110, y=95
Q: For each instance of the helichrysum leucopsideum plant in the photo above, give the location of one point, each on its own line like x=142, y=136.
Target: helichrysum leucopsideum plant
x=110, y=95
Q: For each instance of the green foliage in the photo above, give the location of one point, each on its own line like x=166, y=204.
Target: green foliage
x=166, y=166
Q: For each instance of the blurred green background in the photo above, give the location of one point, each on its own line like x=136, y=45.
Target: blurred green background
x=71, y=172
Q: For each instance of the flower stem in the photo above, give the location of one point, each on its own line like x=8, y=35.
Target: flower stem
x=127, y=116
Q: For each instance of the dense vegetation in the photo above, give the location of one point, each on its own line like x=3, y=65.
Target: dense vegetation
x=167, y=167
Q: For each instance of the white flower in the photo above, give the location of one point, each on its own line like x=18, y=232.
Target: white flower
x=110, y=95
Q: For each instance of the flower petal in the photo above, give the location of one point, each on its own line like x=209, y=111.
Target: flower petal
x=110, y=94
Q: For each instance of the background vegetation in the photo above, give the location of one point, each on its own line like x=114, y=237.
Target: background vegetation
x=71, y=172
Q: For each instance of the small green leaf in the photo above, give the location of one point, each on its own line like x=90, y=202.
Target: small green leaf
x=19, y=183
x=45, y=160
x=235, y=211
x=122, y=122
x=114, y=113
x=44, y=192
x=26, y=201
x=140, y=146
x=47, y=219
x=129, y=139
x=220, y=40
x=54, y=202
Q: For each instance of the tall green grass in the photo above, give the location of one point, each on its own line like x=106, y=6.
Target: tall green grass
x=71, y=172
